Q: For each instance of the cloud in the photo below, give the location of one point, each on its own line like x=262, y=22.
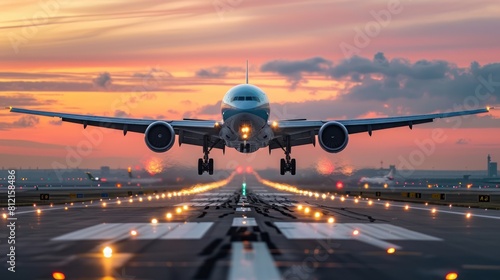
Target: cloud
x=462, y=141
x=294, y=70
x=26, y=121
x=210, y=109
x=154, y=73
x=56, y=122
x=217, y=72
x=21, y=99
x=103, y=80
x=22, y=122
x=121, y=114
x=422, y=86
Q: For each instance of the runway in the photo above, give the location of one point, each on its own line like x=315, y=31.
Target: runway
x=249, y=230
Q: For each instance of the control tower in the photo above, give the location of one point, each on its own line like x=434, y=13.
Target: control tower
x=492, y=168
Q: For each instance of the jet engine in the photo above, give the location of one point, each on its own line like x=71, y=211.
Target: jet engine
x=159, y=136
x=333, y=137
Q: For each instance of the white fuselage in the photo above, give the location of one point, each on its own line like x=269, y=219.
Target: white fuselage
x=376, y=180
x=245, y=114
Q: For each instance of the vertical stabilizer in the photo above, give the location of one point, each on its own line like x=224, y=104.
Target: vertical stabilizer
x=390, y=176
x=90, y=176
x=246, y=75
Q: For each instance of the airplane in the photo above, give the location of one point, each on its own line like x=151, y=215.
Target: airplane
x=383, y=180
x=245, y=126
x=130, y=180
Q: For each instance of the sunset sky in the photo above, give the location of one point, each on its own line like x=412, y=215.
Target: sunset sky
x=314, y=59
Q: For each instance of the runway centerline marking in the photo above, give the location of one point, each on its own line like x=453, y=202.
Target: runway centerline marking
x=254, y=263
x=244, y=222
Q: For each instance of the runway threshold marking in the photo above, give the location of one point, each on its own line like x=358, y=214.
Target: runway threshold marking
x=244, y=222
x=145, y=231
x=243, y=209
x=374, y=234
x=252, y=262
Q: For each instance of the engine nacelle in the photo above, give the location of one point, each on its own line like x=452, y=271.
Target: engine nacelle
x=333, y=137
x=159, y=136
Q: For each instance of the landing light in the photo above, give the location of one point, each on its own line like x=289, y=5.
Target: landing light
x=451, y=276
x=391, y=250
x=58, y=276
x=274, y=124
x=107, y=252
x=331, y=220
x=154, y=221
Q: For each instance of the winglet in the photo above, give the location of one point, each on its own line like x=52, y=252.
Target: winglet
x=246, y=75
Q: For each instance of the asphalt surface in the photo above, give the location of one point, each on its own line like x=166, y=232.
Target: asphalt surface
x=256, y=233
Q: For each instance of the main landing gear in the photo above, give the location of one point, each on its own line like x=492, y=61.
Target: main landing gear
x=206, y=164
x=287, y=164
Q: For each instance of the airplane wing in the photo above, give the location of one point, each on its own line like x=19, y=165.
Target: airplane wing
x=190, y=132
x=302, y=132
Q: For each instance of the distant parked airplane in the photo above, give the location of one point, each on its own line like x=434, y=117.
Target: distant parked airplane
x=125, y=181
x=387, y=179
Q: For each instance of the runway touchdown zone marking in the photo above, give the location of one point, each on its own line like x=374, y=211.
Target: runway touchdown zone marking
x=144, y=231
x=373, y=234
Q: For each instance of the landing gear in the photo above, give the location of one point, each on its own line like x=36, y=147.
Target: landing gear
x=206, y=164
x=287, y=163
x=245, y=148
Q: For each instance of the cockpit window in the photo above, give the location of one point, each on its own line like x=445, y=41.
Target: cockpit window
x=246, y=98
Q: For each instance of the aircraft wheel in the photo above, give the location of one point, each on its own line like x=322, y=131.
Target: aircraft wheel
x=200, y=166
x=282, y=166
x=211, y=166
x=292, y=166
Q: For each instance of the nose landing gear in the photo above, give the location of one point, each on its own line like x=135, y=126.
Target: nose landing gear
x=287, y=164
x=206, y=164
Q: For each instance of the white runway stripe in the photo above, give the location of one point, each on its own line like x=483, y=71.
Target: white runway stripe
x=252, y=263
x=144, y=231
x=188, y=231
x=244, y=222
x=243, y=209
x=369, y=233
